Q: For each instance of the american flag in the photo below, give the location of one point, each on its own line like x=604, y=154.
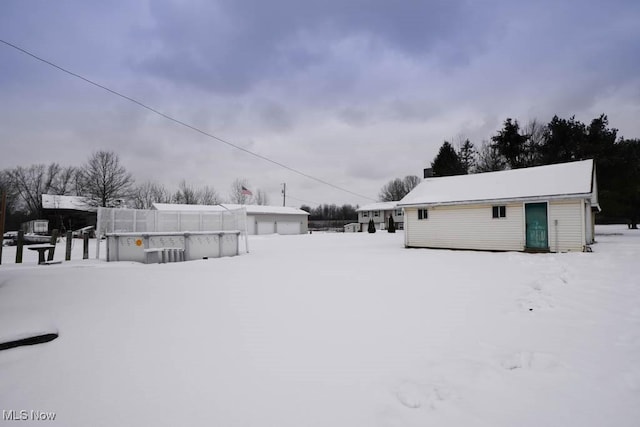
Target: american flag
x=246, y=191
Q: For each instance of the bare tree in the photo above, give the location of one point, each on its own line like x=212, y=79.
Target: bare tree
x=410, y=182
x=261, y=198
x=535, y=132
x=65, y=181
x=240, y=192
x=190, y=195
x=30, y=183
x=148, y=193
x=208, y=196
x=10, y=190
x=489, y=159
x=393, y=190
x=397, y=188
x=186, y=194
x=106, y=179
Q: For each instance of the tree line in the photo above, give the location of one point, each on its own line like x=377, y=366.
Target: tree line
x=561, y=140
x=331, y=212
x=104, y=181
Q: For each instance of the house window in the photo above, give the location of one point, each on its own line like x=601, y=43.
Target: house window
x=423, y=214
x=499, y=211
x=365, y=214
x=398, y=212
x=376, y=213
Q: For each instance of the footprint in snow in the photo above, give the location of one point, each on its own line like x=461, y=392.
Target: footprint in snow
x=416, y=395
x=536, y=361
x=535, y=301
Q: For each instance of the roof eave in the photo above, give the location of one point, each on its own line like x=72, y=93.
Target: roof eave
x=492, y=201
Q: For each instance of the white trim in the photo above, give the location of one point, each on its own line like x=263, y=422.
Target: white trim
x=548, y=228
x=582, y=221
x=405, y=227
x=98, y=230
x=537, y=199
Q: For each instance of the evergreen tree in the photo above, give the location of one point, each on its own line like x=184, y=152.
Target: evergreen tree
x=511, y=144
x=621, y=198
x=563, y=140
x=447, y=162
x=467, y=155
x=372, y=226
x=392, y=226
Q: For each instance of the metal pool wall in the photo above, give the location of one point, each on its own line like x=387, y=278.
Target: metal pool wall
x=196, y=245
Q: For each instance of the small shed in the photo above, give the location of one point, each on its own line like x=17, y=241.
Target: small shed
x=352, y=227
x=544, y=209
x=380, y=213
x=260, y=219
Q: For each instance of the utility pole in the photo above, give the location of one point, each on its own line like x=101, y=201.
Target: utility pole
x=284, y=193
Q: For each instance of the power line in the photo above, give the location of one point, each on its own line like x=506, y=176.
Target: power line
x=302, y=200
x=180, y=122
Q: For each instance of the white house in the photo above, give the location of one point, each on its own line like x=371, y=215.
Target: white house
x=380, y=212
x=260, y=219
x=544, y=208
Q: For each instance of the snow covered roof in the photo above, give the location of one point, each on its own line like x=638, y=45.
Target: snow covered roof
x=77, y=203
x=380, y=206
x=251, y=209
x=559, y=180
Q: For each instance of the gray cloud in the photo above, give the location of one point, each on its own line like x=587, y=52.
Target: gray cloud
x=230, y=46
x=354, y=92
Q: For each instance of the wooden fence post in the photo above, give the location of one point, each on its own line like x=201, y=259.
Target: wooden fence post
x=67, y=255
x=54, y=238
x=85, y=245
x=19, y=248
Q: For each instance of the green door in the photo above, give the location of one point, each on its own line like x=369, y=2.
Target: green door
x=536, y=226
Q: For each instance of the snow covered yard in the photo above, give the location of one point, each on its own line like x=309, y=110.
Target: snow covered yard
x=330, y=330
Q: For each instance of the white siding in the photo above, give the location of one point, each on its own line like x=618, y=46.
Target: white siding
x=570, y=230
x=382, y=218
x=466, y=227
x=251, y=224
x=266, y=227
x=473, y=227
x=285, y=223
x=288, y=227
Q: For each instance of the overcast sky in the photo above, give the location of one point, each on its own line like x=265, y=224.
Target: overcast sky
x=353, y=92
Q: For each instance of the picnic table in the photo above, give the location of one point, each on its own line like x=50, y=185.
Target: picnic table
x=41, y=248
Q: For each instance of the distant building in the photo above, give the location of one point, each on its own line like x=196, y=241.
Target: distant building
x=545, y=209
x=380, y=213
x=352, y=227
x=68, y=213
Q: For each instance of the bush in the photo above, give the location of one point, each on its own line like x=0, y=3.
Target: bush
x=372, y=226
x=392, y=225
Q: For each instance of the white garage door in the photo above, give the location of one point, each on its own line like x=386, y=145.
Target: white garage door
x=288, y=227
x=266, y=227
